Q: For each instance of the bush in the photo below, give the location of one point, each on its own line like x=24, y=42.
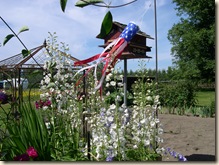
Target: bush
x=180, y=95
x=208, y=111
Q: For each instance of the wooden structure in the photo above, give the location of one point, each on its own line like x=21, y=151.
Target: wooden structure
x=136, y=49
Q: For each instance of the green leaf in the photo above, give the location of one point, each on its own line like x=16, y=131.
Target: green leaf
x=7, y=38
x=36, y=72
x=25, y=53
x=84, y=3
x=51, y=85
x=24, y=28
x=63, y=4
x=107, y=25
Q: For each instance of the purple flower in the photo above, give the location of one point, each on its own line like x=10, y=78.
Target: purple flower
x=174, y=154
x=109, y=158
x=168, y=149
x=3, y=98
x=102, y=114
x=23, y=157
x=180, y=157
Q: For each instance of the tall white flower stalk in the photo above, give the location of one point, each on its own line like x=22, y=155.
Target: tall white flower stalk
x=121, y=133
x=108, y=125
x=145, y=127
x=58, y=86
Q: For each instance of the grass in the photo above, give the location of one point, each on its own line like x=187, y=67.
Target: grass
x=34, y=96
x=204, y=98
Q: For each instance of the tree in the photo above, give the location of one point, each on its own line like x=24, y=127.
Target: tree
x=193, y=39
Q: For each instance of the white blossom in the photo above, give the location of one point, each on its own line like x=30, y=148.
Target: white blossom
x=112, y=83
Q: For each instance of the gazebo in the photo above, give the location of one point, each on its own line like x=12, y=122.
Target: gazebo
x=16, y=68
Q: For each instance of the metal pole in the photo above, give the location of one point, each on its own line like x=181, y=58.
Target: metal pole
x=156, y=56
x=156, y=59
x=125, y=82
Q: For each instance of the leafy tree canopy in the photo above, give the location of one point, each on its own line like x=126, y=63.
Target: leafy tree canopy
x=193, y=39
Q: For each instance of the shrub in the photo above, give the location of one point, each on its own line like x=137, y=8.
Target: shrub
x=180, y=95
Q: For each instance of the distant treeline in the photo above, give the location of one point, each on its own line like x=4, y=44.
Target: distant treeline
x=173, y=74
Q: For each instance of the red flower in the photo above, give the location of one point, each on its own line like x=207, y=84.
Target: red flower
x=32, y=152
x=23, y=157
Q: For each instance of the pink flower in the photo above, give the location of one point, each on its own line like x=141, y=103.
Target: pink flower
x=32, y=152
x=37, y=105
x=48, y=103
x=40, y=104
x=23, y=157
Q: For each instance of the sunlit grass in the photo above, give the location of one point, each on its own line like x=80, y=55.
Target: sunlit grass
x=28, y=96
x=31, y=95
x=204, y=98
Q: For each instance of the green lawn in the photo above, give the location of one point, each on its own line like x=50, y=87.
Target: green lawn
x=204, y=98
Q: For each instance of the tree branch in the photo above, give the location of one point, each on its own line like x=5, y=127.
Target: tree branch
x=13, y=32
x=108, y=6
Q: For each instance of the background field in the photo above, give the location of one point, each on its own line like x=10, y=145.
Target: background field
x=204, y=98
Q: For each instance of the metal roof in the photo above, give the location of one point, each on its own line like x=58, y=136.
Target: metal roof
x=36, y=59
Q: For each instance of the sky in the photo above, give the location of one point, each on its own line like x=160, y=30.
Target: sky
x=78, y=27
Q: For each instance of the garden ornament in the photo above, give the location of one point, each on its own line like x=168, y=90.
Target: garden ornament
x=109, y=56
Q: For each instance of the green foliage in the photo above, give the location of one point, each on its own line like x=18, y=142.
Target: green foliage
x=193, y=39
x=10, y=36
x=178, y=95
x=7, y=38
x=135, y=155
x=83, y=3
x=107, y=25
x=164, y=75
x=63, y=4
x=23, y=29
x=28, y=130
x=111, y=99
x=25, y=53
x=64, y=137
x=202, y=111
x=207, y=111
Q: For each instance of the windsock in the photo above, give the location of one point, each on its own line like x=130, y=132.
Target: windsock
x=109, y=55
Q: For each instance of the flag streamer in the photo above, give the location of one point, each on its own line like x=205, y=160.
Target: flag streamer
x=109, y=55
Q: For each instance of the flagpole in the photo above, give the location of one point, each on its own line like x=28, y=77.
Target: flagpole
x=156, y=56
x=156, y=62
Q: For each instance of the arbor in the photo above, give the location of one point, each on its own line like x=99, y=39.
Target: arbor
x=193, y=39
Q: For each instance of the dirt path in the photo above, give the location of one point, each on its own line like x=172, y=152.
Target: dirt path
x=193, y=137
